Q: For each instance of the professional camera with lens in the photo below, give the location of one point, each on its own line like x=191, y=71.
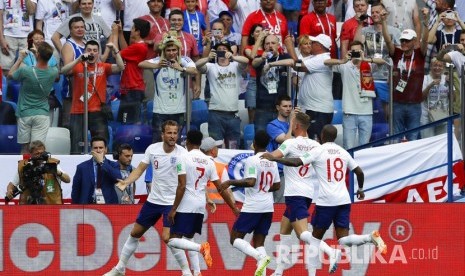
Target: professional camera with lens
x=87, y=58
x=32, y=176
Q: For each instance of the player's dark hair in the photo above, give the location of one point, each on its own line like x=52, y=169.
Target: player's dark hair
x=261, y=139
x=194, y=137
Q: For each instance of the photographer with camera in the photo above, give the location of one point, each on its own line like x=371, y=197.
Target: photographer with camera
x=36, y=84
x=358, y=93
x=38, y=178
x=96, y=92
x=224, y=79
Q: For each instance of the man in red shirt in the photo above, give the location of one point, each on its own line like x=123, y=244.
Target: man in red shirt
x=320, y=22
x=408, y=74
x=96, y=88
x=350, y=26
x=272, y=20
x=132, y=85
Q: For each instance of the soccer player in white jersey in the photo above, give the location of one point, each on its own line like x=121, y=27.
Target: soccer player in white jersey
x=298, y=192
x=195, y=169
x=333, y=202
x=261, y=178
x=163, y=157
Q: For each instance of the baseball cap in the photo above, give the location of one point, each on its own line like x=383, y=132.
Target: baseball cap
x=228, y=13
x=408, y=34
x=323, y=40
x=209, y=143
x=223, y=43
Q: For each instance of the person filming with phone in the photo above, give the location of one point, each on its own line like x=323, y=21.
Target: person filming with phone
x=358, y=93
x=224, y=78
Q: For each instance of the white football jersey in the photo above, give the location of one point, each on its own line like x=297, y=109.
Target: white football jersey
x=165, y=177
x=331, y=162
x=258, y=199
x=198, y=168
x=300, y=181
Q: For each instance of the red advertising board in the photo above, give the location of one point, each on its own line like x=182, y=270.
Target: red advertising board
x=422, y=239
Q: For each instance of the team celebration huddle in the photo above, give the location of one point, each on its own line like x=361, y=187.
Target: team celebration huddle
x=178, y=195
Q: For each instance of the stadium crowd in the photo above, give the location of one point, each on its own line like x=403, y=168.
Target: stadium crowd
x=63, y=55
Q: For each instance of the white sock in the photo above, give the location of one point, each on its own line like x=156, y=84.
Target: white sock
x=128, y=250
x=326, y=248
x=181, y=258
x=184, y=244
x=306, y=236
x=354, y=240
x=314, y=255
x=247, y=249
x=262, y=251
x=284, y=249
x=194, y=259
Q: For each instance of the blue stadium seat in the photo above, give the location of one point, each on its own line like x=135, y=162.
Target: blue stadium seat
x=8, y=139
x=7, y=113
x=13, y=90
x=4, y=85
x=338, y=115
x=149, y=113
x=138, y=136
x=113, y=82
x=110, y=139
x=379, y=131
x=114, y=108
x=379, y=117
x=13, y=104
x=249, y=134
x=199, y=114
x=58, y=87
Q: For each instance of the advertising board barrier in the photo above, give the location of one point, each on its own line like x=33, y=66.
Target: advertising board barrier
x=422, y=239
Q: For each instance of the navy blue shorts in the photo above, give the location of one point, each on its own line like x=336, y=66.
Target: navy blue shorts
x=323, y=216
x=259, y=223
x=187, y=224
x=150, y=213
x=297, y=207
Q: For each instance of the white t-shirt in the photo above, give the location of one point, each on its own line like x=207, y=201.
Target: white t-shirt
x=316, y=93
x=96, y=28
x=106, y=10
x=165, y=177
x=257, y=198
x=352, y=103
x=300, y=181
x=52, y=13
x=169, y=88
x=400, y=13
x=243, y=9
x=224, y=86
x=133, y=9
x=198, y=168
x=14, y=23
x=330, y=162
